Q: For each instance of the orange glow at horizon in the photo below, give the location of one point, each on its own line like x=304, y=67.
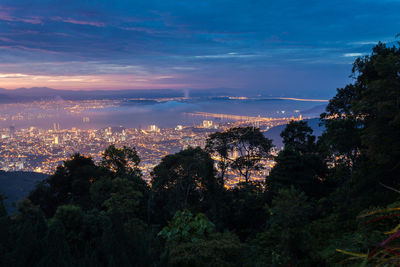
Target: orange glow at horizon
x=78, y=82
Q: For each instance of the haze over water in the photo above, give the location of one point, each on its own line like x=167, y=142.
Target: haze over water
x=141, y=114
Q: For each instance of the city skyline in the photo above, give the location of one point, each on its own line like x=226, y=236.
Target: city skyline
x=288, y=48
x=34, y=149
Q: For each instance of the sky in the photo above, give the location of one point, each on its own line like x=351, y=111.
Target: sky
x=278, y=48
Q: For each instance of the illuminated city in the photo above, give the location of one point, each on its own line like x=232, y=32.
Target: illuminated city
x=42, y=150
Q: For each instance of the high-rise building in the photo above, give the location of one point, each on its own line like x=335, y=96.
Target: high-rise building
x=12, y=131
x=19, y=165
x=108, y=131
x=56, y=126
x=207, y=124
x=154, y=128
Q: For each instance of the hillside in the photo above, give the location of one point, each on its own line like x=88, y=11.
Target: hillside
x=17, y=185
x=274, y=132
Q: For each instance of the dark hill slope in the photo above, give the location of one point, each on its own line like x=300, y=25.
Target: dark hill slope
x=17, y=185
x=274, y=132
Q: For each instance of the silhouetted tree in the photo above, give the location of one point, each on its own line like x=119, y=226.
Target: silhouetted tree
x=362, y=126
x=28, y=233
x=286, y=239
x=244, y=210
x=57, y=251
x=297, y=136
x=192, y=241
x=70, y=184
x=243, y=149
x=184, y=180
x=299, y=164
x=121, y=161
x=218, y=145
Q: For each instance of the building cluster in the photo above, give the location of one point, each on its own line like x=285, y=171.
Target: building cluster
x=42, y=150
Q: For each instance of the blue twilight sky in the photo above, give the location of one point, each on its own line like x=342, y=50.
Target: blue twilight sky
x=280, y=48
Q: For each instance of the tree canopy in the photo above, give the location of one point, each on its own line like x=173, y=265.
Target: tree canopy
x=241, y=149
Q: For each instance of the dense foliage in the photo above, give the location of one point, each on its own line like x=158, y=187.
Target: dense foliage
x=318, y=207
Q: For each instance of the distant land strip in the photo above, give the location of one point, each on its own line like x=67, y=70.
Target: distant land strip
x=304, y=99
x=239, y=117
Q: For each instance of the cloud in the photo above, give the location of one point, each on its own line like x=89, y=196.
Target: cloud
x=80, y=22
x=364, y=43
x=353, y=54
x=12, y=75
x=141, y=29
x=224, y=56
x=183, y=68
x=5, y=16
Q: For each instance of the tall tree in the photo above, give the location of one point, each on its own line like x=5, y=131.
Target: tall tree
x=29, y=233
x=70, y=184
x=243, y=149
x=286, y=241
x=123, y=166
x=299, y=164
x=121, y=161
x=297, y=136
x=217, y=144
x=184, y=180
x=193, y=241
x=363, y=125
x=3, y=211
x=57, y=249
x=340, y=121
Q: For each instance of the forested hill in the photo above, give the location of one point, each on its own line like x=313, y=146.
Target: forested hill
x=274, y=132
x=17, y=185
